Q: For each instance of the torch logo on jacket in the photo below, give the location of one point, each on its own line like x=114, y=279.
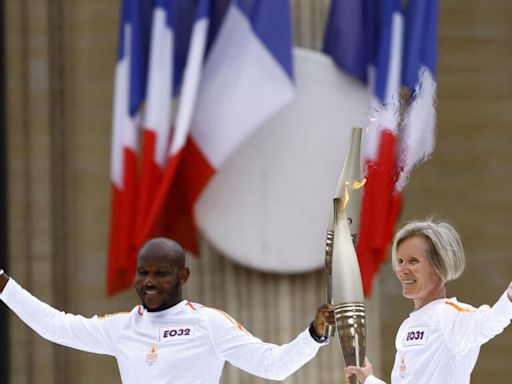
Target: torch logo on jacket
x=152, y=356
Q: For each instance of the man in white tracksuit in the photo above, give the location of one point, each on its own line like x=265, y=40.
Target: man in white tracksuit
x=167, y=339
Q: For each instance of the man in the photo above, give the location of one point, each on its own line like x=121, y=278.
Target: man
x=168, y=339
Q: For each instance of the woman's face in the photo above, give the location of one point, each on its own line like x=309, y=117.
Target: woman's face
x=416, y=273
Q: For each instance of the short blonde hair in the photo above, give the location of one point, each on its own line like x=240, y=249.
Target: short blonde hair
x=446, y=251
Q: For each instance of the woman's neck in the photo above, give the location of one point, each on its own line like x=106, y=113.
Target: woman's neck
x=433, y=295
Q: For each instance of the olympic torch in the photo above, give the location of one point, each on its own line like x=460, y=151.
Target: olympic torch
x=343, y=277
x=351, y=172
x=347, y=290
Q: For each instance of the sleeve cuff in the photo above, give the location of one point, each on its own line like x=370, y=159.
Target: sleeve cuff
x=5, y=294
x=504, y=306
x=319, y=339
x=373, y=380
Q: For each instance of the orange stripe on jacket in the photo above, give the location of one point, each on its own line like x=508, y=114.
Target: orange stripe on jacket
x=230, y=319
x=458, y=307
x=112, y=314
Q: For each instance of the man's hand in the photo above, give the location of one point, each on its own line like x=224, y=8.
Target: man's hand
x=3, y=280
x=361, y=373
x=324, y=315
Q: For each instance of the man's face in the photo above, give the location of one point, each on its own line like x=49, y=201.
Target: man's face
x=159, y=278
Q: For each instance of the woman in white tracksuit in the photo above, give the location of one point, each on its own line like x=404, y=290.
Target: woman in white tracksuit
x=440, y=340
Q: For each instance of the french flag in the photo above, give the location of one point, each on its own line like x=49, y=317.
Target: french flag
x=157, y=121
x=170, y=39
x=419, y=76
x=387, y=45
x=208, y=74
x=129, y=95
x=245, y=79
x=178, y=46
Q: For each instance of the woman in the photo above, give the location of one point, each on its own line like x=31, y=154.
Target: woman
x=440, y=340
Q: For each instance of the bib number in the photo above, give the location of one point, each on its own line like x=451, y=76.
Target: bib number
x=170, y=334
x=416, y=336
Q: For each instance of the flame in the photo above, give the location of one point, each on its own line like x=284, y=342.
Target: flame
x=358, y=184
x=354, y=184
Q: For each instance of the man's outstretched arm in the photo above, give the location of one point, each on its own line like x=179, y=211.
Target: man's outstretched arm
x=267, y=360
x=91, y=335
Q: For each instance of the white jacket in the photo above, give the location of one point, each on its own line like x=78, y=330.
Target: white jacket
x=440, y=342
x=185, y=344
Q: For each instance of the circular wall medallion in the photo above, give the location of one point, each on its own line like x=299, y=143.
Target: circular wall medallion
x=268, y=206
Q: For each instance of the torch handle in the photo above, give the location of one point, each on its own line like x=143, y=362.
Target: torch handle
x=351, y=326
x=329, y=330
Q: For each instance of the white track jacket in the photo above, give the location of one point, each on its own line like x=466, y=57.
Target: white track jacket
x=439, y=343
x=185, y=344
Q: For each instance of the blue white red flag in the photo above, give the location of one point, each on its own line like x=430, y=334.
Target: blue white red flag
x=246, y=78
x=129, y=94
x=387, y=44
x=217, y=70
x=178, y=45
x=419, y=76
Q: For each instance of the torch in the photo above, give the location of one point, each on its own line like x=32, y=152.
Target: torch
x=343, y=277
x=351, y=171
x=347, y=290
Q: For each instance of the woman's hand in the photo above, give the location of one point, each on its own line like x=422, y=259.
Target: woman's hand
x=361, y=372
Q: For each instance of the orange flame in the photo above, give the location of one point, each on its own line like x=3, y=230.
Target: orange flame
x=353, y=185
